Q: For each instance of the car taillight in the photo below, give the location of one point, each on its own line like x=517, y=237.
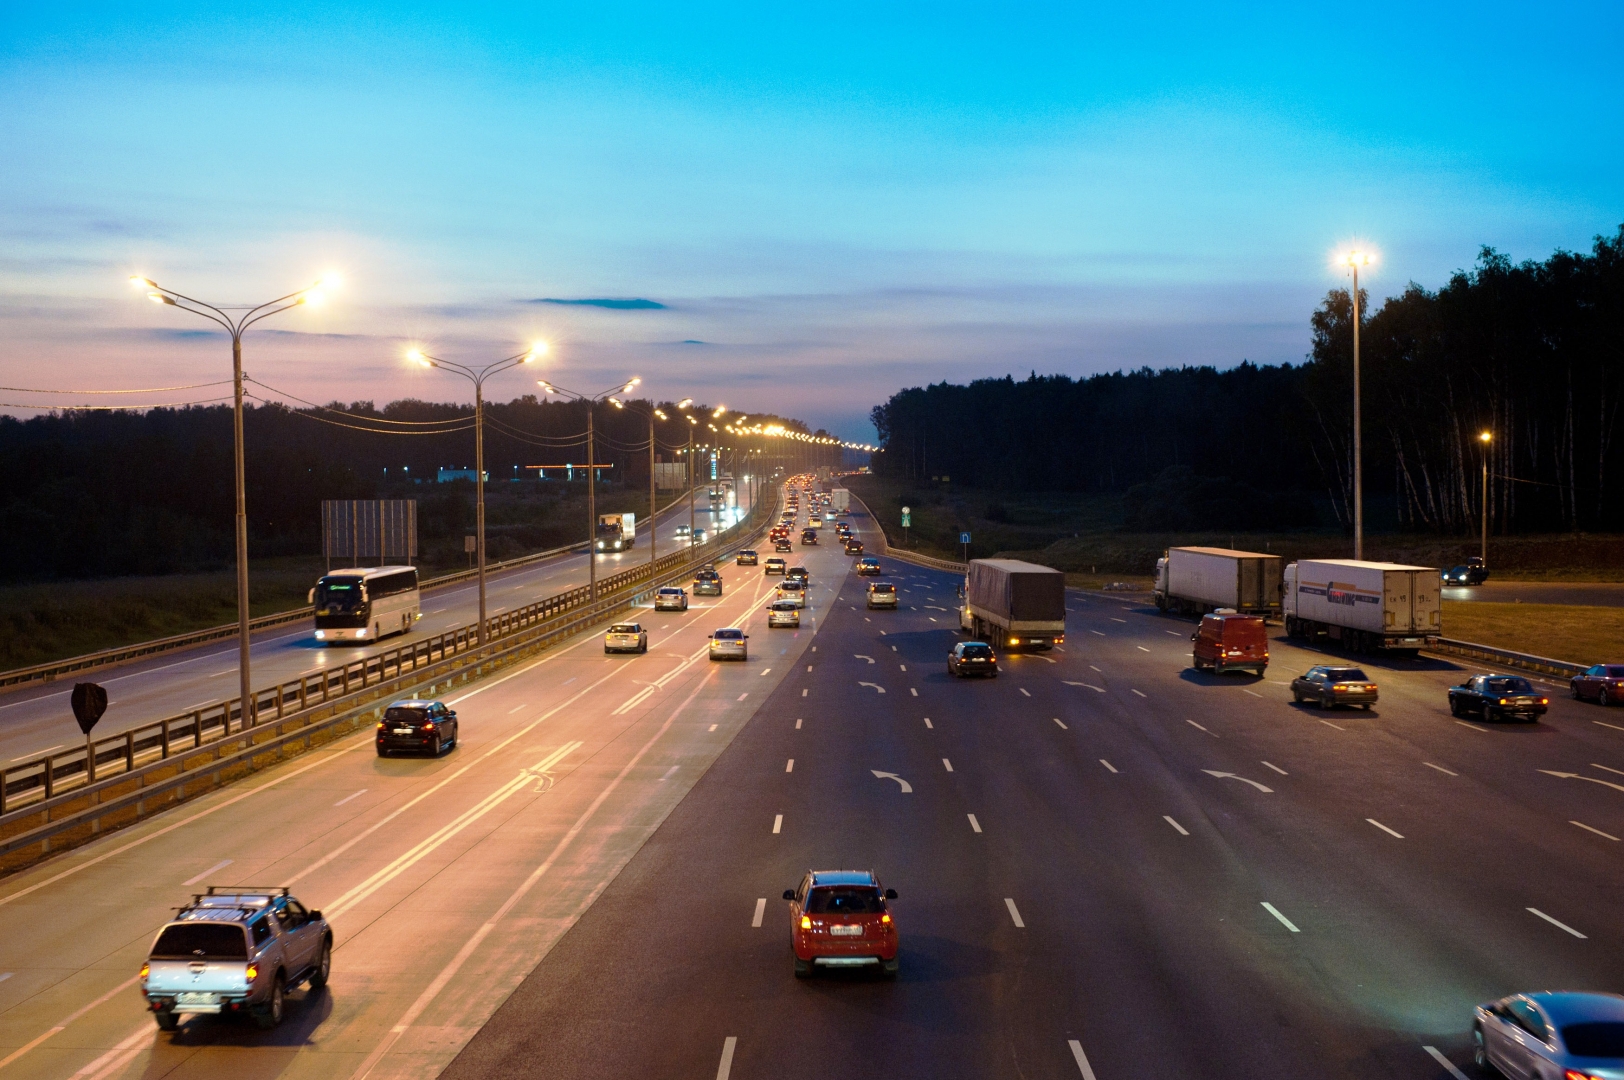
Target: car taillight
x=251, y=973
x=380, y=725
x=1575, y=1074
x=886, y=919
x=1544, y=701
x=146, y=969
x=806, y=922
x=1503, y=701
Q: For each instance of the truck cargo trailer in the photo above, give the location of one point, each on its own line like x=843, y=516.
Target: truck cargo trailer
x=1367, y=606
x=1014, y=604
x=1197, y=580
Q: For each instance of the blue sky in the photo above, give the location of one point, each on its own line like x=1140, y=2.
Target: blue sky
x=831, y=202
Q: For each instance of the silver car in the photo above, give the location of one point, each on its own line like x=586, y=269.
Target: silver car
x=783, y=613
x=626, y=637
x=671, y=598
x=1551, y=1035
x=792, y=592
x=729, y=644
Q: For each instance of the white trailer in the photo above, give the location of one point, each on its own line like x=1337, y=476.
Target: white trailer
x=1367, y=606
x=1196, y=580
x=840, y=499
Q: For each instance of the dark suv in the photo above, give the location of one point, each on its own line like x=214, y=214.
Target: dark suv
x=707, y=583
x=417, y=725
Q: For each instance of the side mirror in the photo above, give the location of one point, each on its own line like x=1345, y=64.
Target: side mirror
x=449, y=715
x=315, y=916
x=311, y=597
x=789, y=894
x=890, y=894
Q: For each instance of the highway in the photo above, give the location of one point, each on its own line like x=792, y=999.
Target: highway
x=1108, y=867
x=37, y=719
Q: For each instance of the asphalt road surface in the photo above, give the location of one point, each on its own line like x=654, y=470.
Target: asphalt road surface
x=37, y=719
x=1581, y=593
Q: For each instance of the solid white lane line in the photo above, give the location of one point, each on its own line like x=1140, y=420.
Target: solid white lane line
x=58, y=746
x=1598, y=832
x=1327, y=723
x=1082, y=1059
x=1440, y=768
x=1062, y=726
x=1445, y=1062
x=1603, y=768
x=761, y=909
x=789, y=766
x=1276, y=768
x=948, y=765
x=1384, y=828
x=221, y=865
x=347, y=798
x=1140, y=694
x=1181, y=829
x=1472, y=727
x=778, y=824
x=1107, y=764
x=1014, y=913
x=1272, y=910
x=1022, y=689
x=726, y=1067
x=1195, y=725
x=521, y=708
x=1557, y=923
x=929, y=724
x=974, y=824
x=1244, y=690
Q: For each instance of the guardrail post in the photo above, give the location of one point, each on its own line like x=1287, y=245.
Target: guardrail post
x=346, y=670
x=50, y=775
x=129, y=750
x=165, y=737
x=197, y=728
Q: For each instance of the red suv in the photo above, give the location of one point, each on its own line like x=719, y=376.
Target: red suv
x=1226, y=641
x=840, y=919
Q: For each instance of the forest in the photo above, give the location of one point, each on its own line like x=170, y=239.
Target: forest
x=1531, y=353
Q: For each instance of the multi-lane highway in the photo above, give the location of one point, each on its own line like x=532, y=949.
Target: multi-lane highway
x=37, y=719
x=1109, y=867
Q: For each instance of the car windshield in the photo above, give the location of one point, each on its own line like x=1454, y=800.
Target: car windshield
x=792, y=585
x=729, y=635
x=187, y=941
x=625, y=628
x=405, y=715
x=786, y=606
x=342, y=595
x=1601, y=1039
x=1509, y=684
x=670, y=592
x=977, y=652
x=1346, y=674
x=845, y=900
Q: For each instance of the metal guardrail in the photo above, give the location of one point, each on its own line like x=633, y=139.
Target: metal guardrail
x=52, y=670
x=927, y=561
x=1507, y=658
x=43, y=778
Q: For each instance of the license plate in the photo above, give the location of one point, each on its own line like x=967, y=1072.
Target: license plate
x=846, y=931
x=403, y=731
x=197, y=998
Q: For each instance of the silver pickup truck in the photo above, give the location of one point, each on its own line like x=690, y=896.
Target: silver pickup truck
x=237, y=950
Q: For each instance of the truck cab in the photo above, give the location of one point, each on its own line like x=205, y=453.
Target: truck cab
x=615, y=533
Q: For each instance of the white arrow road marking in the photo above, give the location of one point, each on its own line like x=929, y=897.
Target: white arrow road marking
x=1091, y=686
x=907, y=788
x=1242, y=779
x=875, y=685
x=860, y=656
x=1576, y=776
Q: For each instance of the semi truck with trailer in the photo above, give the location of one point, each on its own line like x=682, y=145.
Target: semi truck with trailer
x=1366, y=606
x=1198, y=580
x=615, y=532
x=1013, y=604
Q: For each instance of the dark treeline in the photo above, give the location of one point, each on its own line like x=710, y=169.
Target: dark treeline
x=1533, y=353
x=97, y=493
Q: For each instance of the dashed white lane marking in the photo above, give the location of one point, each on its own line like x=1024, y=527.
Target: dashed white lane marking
x=1327, y=723
x=1470, y=727
x=1063, y=727
x=1440, y=768
x=1276, y=768
x=1100, y=670
x=974, y=824
x=669, y=773
x=797, y=723
x=744, y=695
x=1113, y=618
x=1587, y=828
x=4, y=975
x=1557, y=923
x=1140, y=694
x=1082, y=1059
x=1101, y=633
x=1287, y=923
x=911, y=690
x=948, y=765
x=221, y=865
x=1014, y=913
x=761, y=910
x=809, y=667
x=1445, y=1062
x=521, y=708
x=347, y=798
x=1182, y=831
x=1195, y=725
x=713, y=727
x=1175, y=633
x=1107, y=764
x=778, y=824
x=789, y=766
x=766, y=671
x=1022, y=689
x=725, y=1069
x=1244, y=690
x=1603, y=768
x=929, y=724
x=1141, y=648
x=814, y=648
x=904, y=667
x=1604, y=723
x=1384, y=828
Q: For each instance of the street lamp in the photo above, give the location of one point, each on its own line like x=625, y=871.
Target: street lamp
x=1485, y=438
x=653, y=502
x=1354, y=260
x=477, y=376
x=236, y=325
x=591, y=471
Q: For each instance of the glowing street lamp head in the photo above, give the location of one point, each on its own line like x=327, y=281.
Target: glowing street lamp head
x=330, y=280
x=416, y=356
x=617, y=403
x=142, y=282
x=720, y=410
x=661, y=414
x=685, y=403
x=537, y=351
x=1486, y=436
x=546, y=387
x=1354, y=257
x=160, y=298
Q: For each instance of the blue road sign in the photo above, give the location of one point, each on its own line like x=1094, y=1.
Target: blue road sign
x=964, y=538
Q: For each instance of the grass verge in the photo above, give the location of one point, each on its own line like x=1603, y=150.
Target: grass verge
x=1580, y=635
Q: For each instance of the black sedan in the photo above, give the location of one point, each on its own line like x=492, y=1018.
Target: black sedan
x=1472, y=572
x=1495, y=697
x=972, y=658
x=1329, y=687
x=427, y=726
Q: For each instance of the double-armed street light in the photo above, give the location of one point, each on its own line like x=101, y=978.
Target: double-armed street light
x=236, y=319
x=592, y=401
x=1354, y=260
x=477, y=376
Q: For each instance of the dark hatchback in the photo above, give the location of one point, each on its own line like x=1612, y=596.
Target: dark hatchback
x=972, y=658
x=707, y=583
x=424, y=726
x=1495, y=697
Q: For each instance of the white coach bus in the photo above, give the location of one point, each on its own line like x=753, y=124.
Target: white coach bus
x=366, y=603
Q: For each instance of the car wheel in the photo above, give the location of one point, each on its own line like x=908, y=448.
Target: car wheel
x=1296, y=698
x=167, y=1021
x=271, y=1014
x=1573, y=690
x=1603, y=698
x=1480, y=1053
x=1454, y=707
x=889, y=968
x=439, y=745
x=324, y=966
x=803, y=968
x=643, y=648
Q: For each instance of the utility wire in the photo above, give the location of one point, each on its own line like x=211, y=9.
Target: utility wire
x=148, y=390
x=360, y=416
x=354, y=427
x=109, y=408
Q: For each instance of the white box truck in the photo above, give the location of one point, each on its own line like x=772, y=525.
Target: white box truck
x=1367, y=606
x=1013, y=604
x=616, y=532
x=1196, y=580
x=840, y=499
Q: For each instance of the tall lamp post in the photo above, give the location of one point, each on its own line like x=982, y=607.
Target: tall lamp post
x=653, y=499
x=1485, y=438
x=591, y=470
x=477, y=376
x=236, y=319
x=1354, y=260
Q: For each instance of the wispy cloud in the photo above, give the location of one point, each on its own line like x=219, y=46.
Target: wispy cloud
x=637, y=304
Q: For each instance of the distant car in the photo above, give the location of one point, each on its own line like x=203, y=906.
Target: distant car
x=1551, y=1035
x=729, y=644
x=783, y=545
x=809, y=537
x=1495, y=697
x=868, y=567
x=882, y=594
x=1604, y=683
x=682, y=531
x=972, y=658
x=707, y=583
x=854, y=547
x=799, y=573
x=1472, y=572
x=815, y=521
x=792, y=592
x=671, y=598
x=773, y=566
x=626, y=637
x=745, y=557
x=783, y=613
x=1226, y=641
x=842, y=919
x=699, y=537
x=1329, y=687
x=417, y=725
